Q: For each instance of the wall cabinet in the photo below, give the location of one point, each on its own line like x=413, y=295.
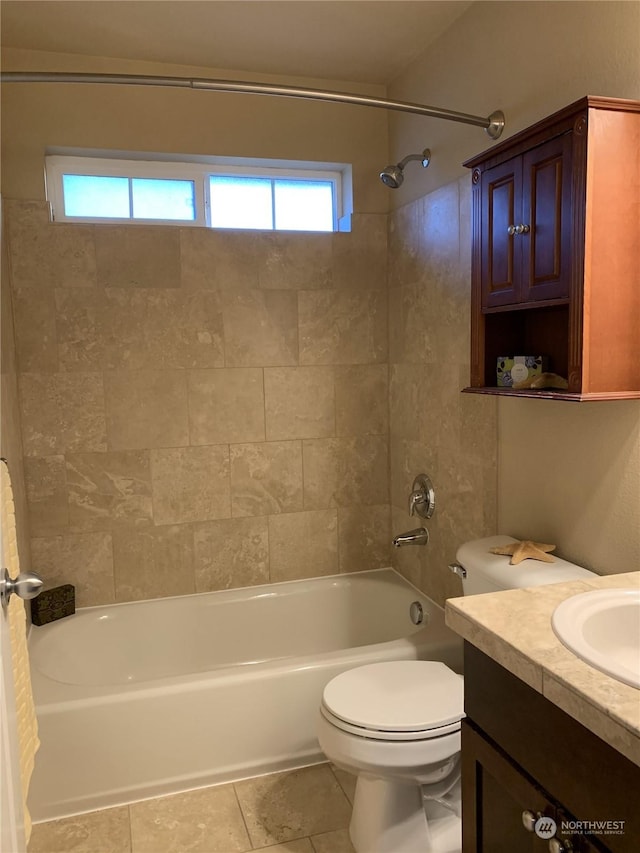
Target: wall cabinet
x=522, y=758
x=556, y=251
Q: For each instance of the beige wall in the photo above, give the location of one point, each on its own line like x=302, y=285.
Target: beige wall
x=200, y=409
x=181, y=121
x=568, y=473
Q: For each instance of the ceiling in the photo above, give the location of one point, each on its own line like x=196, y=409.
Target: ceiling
x=355, y=40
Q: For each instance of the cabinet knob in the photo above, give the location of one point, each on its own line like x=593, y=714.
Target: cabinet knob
x=557, y=846
x=529, y=820
x=518, y=229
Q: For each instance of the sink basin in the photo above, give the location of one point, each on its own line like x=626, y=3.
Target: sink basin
x=603, y=629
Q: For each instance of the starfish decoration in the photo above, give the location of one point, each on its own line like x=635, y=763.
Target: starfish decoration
x=526, y=550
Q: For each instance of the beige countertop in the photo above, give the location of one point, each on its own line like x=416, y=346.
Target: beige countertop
x=514, y=628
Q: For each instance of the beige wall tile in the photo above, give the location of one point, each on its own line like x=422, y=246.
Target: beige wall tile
x=80, y=321
x=62, y=412
x=413, y=330
x=406, y=229
x=190, y=484
x=345, y=471
x=146, y=409
x=343, y=326
x=276, y=807
x=220, y=260
x=137, y=256
x=153, y=562
x=364, y=537
x=85, y=560
x=154, y=328
x=46, y=483
x=45, y=254
x=260, y=328
x=230, y=553
x=362, y=405
x=226, y=405
x=108, y=489
x=407, y=560
x=106, y=831
x=360, y=257
x=266, y=478
x=408, y=458
x=303, y=544
x=296, y=261
x=407, y=400
x=35, y=330
x=205, y=821
x=299, y=402
x=440, y=237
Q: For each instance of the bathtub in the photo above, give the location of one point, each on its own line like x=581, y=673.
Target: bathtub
x=149, y=698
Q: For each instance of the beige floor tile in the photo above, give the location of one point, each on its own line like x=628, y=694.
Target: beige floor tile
x=333, y=842
x=285, y=806
x=347, y=782
x=98, y=832
x=300, y=845
x=205, y=821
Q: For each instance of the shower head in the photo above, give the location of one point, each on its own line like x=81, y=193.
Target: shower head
x=393, y=176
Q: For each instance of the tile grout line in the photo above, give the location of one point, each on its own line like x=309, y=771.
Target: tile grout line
x=244, y=821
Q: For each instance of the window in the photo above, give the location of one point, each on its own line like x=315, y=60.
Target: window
x=268, y=195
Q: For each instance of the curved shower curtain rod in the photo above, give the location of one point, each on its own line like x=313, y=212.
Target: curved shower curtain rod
x=493, y=124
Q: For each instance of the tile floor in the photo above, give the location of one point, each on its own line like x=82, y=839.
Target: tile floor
x=299, y=811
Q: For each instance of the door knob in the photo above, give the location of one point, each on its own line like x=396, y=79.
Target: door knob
x=26, y=585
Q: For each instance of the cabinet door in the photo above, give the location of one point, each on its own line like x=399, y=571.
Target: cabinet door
x=495, y=794
x=501, y=252
x=546, y=212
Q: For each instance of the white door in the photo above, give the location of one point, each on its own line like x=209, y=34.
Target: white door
x=12, y=837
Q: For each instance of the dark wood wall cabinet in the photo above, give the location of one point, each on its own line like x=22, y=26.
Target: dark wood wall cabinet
x=556, y=251
x=523, y=758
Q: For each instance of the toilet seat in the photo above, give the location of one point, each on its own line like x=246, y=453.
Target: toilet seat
x=395, y=701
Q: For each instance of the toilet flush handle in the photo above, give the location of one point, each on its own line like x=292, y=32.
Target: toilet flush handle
x=459, y=570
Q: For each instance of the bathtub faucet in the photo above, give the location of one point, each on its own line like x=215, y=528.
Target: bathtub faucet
x=419, y=536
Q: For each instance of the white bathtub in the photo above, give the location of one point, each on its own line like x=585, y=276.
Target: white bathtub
x=148, y=698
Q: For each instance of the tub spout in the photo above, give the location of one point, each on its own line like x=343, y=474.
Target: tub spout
x=419, y=536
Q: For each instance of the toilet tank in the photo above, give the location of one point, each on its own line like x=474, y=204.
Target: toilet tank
x=486, y=572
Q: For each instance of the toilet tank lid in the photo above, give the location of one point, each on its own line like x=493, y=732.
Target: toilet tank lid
x=474, y=556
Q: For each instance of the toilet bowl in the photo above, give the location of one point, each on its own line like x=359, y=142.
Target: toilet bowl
x=396, y=725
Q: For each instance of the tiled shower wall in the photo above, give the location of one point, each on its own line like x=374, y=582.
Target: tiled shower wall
x=434, y=429
x=200, y=409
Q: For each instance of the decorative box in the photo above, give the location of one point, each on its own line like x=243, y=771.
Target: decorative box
x=515, y=368
x=53, y=604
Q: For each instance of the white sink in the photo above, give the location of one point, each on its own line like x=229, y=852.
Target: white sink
x=603, y=628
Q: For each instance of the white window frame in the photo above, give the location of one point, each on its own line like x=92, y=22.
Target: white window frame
x=198, y=171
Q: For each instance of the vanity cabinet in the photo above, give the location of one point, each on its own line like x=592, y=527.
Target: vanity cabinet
x=523, y=757
x=556, y=251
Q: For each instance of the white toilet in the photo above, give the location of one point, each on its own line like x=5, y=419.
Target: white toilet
x=396, y=725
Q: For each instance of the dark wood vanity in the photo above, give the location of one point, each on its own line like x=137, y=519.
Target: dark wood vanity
x=522, y=757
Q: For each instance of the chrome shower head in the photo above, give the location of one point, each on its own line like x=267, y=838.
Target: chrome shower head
x=393, y=175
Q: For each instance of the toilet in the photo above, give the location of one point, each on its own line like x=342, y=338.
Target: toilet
x=396, y=725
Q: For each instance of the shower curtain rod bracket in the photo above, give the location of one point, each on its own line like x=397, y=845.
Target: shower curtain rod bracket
x=496, y=124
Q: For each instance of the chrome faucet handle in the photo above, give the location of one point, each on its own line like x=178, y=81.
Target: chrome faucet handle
x=422, y=500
